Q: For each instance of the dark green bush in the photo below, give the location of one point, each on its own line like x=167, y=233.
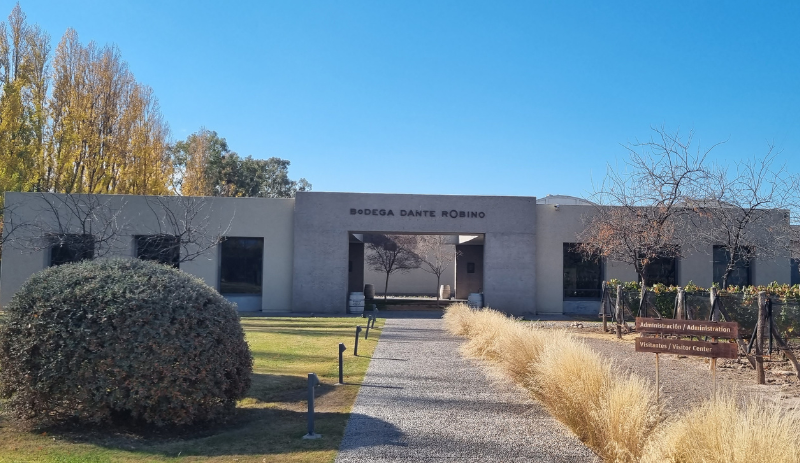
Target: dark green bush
x=121, y=341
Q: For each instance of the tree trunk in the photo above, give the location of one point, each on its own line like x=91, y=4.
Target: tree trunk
x=386, y=287
x=643, y=294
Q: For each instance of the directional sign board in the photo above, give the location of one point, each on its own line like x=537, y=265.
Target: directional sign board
x=687, y=327
x=725, y=350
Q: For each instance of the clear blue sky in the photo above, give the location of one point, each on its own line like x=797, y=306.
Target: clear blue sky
x=457, y=97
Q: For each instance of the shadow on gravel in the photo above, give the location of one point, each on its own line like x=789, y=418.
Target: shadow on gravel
x=366, y=431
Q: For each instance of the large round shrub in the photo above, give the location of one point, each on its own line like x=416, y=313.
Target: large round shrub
x=122, y=340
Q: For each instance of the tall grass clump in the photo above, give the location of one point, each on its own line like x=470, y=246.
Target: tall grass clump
x=612, y=413
x=721, y=431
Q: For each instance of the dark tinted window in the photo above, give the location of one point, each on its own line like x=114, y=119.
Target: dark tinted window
x=796, y=271
x=241, y=265
x=160, y=248
x=583, y=276
x=740, y=276
x=663, y=270
x=71, y=248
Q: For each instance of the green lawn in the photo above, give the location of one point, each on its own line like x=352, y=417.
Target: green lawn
x=270, y=421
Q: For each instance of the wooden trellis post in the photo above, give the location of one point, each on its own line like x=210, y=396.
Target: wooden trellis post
x=759, y=337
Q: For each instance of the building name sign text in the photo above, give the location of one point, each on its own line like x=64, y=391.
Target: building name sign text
x=453, y=214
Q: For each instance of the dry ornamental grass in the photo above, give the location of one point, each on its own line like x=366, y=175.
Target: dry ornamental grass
x=615, y=413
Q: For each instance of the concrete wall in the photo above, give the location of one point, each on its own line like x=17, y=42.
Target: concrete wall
x=323, y=222
x=270, y=219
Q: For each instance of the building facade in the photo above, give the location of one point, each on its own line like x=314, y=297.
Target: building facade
x=305, y=254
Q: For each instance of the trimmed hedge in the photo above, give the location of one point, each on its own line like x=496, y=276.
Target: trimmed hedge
x=121, y=341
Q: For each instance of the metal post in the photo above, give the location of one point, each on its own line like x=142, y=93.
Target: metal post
x=313, y=381
x=374, y=317
x=355, y=349
x=341, y=373
x=366, y=332
x=658, y=383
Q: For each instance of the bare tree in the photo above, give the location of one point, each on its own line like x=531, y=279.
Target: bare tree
x=746, y=211
x=183, y=229
x=436, y=254
x=9, y=225
x=641, y=207
x=391, y=254
x=82, y=226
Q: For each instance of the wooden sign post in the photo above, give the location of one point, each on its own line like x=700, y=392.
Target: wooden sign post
x=676, y=328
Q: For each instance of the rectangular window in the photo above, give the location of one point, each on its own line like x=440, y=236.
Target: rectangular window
x=795, y=272
x=71, y=248
x=470, y=267
x=241, y=265
x=583, y=277
x=164, y=249
x=740, y=276
x=663, y=270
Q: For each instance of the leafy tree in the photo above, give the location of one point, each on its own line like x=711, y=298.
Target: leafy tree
x=205, y=166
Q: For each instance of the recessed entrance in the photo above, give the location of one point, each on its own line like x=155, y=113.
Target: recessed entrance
x=496, y=236
x=415, y=270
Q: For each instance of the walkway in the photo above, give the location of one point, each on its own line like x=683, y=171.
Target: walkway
x=421, y=401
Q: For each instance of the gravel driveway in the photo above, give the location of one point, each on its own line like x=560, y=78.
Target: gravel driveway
x=421, y=401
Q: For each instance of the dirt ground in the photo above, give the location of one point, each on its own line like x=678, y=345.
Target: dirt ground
x=686, y=380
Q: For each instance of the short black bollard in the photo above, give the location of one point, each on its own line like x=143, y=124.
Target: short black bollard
x=313, y=381
x=366, y=333
x=374, y=317
x=341, y=373
x=355, y=349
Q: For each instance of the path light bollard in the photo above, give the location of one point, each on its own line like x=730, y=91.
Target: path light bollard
x=313, y=382
x=374, y=317
x=341, y=371
x=366, y=332
x=355, y=349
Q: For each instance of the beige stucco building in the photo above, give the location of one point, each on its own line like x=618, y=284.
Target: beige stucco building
x=305, y=254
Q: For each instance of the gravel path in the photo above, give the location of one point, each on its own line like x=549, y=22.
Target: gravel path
x=421, y=401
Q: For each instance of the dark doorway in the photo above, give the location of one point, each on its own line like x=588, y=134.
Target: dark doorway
x=355, y=266
x=469, y=270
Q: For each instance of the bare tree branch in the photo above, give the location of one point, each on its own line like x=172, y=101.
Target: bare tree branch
x=641, y=208
x=183, y=228
x=391, y=254
x=746, y=210
x=87, y=221
x=436, y=255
